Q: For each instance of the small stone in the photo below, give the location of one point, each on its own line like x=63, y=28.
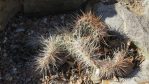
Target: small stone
x=28, y=79
x=8, y=77
x=5, y=54
x=14, y=70
x=14, y=25
x=45, y=20
x=14, y=46
x=5, y=39
x=20, y=30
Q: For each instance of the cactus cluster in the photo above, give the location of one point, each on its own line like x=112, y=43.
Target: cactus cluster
x=88, y=46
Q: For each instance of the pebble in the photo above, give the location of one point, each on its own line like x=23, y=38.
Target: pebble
x=5, y=39
x=20, y=30
x=8, y=77
x=14, y=70
x=45, y=20
x=5, y=54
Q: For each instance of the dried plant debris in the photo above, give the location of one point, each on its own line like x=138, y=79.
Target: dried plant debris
x=89, y=58
x=134, y=5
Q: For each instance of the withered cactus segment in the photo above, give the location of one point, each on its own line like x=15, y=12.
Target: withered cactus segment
x=119, y=66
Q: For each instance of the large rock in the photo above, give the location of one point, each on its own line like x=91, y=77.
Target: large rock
x=119, y=18
x=8, y=8
x=50, y=6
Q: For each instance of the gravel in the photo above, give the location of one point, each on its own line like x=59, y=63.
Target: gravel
x=16, y=46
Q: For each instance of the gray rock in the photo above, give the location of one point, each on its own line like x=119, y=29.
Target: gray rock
x=8, y=8
x=119, y=18
x=109, y=15
x=50, y=6
x=146, y=5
